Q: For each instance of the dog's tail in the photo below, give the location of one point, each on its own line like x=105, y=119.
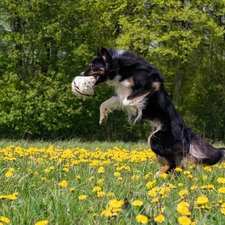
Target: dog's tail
x=204, y=153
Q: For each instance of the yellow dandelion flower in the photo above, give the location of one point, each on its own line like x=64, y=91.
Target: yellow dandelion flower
x=221, y=190
x=184, y=220
x=46, y=170
x=78, y=177
x=64, y=183
x=193, y=188
x=180, y=184
x=5, y=219
x=183, y=193
x=164, y=175
x=137, y=203
x=142, y=219
x=82, y=197
x=107, y=213
x=96, y=188
x=202, y=200
x=155, y=200
x=187, y=172
x=221, y=180
x=100, y=194
x=222, y=210
x=101, y=169
x=110, y=194
x=160, y=218
x=208, y=168
x=150, y=183
x=42, y=222
x=91, y=178
x=135, y=177
x=153, y=191
x=51, y=167
x=116, y=174
x=182, y=208
x=8, y=174
x=178, y=169
x=100, y=181
x=116, y=203
x=72, y=189
x=65, y=169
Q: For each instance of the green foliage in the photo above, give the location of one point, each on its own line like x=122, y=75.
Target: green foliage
x=45, y=44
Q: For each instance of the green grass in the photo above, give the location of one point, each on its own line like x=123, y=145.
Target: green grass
x=39, y=169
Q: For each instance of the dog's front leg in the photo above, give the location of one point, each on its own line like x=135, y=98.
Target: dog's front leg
x=107, y=107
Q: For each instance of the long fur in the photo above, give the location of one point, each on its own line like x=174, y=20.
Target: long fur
x=140, y=91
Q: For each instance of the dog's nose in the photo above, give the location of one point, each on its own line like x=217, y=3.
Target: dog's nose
x=81, y=74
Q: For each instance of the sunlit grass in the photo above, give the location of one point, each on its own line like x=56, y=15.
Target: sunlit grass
x=97, y=183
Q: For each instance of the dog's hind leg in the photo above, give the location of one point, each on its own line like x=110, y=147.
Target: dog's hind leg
x=107, y=107
x=166, y=165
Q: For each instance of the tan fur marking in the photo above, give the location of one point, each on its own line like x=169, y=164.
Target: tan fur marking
x=131, y=81
x=156, y=86
x=166, y=167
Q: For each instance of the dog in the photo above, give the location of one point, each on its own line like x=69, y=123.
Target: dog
x=140, y=91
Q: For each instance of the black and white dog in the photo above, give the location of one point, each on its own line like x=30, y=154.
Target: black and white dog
x=140, y=91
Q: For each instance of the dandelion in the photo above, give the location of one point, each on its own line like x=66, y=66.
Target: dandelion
x=64, y=183
x=164, y=175
x=135, y=177
x=142, y=219
x=153, y=191
x=160, y=218
x=82, y=197
x=150, y=183
x=184, y=220
x=116, y=174
x=110, y=194
x=183, y=193
x=42, y=222
x=155, y=200
x=107, y=213
x=46, y=170
x=182, y=208
x=78, y=177
x=5, y=219
x=72, y=189
x=222, y=190
x=101, y=170
x=115, y=203
x=202, y=200
x=96, y=188
x=193, y=188
x=178, y=169
x=222, y=210
x=8, y=174
x=100, y=194
x=221, y=180
x=65, y=169
x=100, y=181
x=137, y=203
x=208, y=168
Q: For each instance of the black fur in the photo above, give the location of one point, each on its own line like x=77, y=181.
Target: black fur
x=172, y=141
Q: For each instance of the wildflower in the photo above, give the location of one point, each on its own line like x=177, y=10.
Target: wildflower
x=208, y=168
x=96, y=188
x=115, y=203
x=107, y=213
x=82, y=197
x=160, y=218
x=42, y=222
x=116, y=174
x=72, y=189
x=183, y=192
x=193, y=188
x=164, y=175
x=100, y=194
x=155, y=200
x=135, y=177
x=221, y=190
x=64, y=183
x=91, y=178
x=184, y=220
x=180, y=184
x=5, y=219
x=221, y=180
x=100, y=181
x=8, y=174
x=178, y=169
x=78, y=177
x=222, y=210
x=137, y=203
x=142, y=219
x=46, y=170
x=110, y=194
x=182, y=208
x=187, y=172
x=101, y=170
x=202, y=200
x=150, y=183
x=153, y=191
x=65, y=169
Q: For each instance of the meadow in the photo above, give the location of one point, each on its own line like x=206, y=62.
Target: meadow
x=71, y=182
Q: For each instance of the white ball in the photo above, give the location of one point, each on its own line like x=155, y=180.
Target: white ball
x=83, y=86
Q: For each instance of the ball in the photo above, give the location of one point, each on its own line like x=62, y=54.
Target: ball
x=83, y=86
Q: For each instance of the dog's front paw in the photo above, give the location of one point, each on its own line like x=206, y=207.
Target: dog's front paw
x=102, y=120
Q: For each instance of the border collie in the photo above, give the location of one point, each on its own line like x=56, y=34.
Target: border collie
x=140, y=91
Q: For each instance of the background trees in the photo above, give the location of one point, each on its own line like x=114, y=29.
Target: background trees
x=45, y=44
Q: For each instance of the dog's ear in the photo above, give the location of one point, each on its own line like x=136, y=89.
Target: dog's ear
x=105, y=55
x=98, y=51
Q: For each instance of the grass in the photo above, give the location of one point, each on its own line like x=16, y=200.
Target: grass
x=103, y=183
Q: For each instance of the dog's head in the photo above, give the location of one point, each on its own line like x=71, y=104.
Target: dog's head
x=99, y=65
